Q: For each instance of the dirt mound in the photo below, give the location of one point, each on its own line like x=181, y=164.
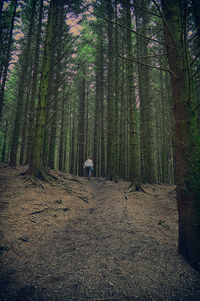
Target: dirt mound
x=74, y=239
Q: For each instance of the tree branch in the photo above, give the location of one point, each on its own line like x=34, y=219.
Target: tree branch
x=162, y=16
x=195, y=59
x=134, y=31
x=141, y=8
x=147, y=65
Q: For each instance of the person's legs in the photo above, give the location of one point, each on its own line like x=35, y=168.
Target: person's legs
x=89, y=171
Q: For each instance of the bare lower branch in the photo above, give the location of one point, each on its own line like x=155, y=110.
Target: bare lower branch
x=134, y=31
x=147, y=65
x=196, y=57
x=142, y=8
x=162, y=16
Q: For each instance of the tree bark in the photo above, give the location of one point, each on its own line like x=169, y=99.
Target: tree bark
x=99, y=157
x=34, y=85
x=111, y=152
x=37, y=166
x=187, y=137
x=102, y=107
x=81, y=124
x=145, y=96
x=134, y=148
x=123, y=111
x=62, y=134
x=22, y=82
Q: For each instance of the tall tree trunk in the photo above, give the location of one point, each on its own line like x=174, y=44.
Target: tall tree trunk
x=22, y=157
x=62, y=134
x=165, y=130
x=55, y=81
x=66, y=144
x=87, y=125
x=73, y=150
x=187, y=137
x=34, y=85
x=116, y=87
x=99, y=124
x=51, y=146
x=111, y=152
x=81, y=124
x=145, y=95
x=22, y=83
x=37, y=166
x=97, y=120
x=102, y=110
x=134, y=150
x=123, y=111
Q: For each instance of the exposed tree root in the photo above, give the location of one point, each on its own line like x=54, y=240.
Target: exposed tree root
x=74, y=180
x=36, y=180
x=83, y=198
x=134, y=188
x=114, y=179
x=34, y=183
x=53, y=177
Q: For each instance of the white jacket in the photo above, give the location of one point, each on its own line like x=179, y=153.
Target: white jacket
x=88, y=163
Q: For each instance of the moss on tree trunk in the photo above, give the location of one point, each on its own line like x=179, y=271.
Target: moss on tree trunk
x=36, y=165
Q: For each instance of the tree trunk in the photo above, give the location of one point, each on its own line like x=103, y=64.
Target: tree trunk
x=55, y=75
x=187, y=137
x=111, y=152
x=37, y=166
x=81, y=124
x=145, y=95
x=123, y=114
x=99, y=124
x=97, y=120
x=22, y=157
x=62, y=134
x=51, y=144
x=34, y=85
x=73, y=149
x=22, y=82
x=116, y=88
x=134, y=149
x=102, y=110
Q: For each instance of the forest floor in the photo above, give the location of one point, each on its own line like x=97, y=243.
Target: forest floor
x=74, y=239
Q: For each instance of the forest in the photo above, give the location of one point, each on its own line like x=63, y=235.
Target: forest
x=114, y=80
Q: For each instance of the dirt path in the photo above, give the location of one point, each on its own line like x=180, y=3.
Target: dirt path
x=109, y=245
